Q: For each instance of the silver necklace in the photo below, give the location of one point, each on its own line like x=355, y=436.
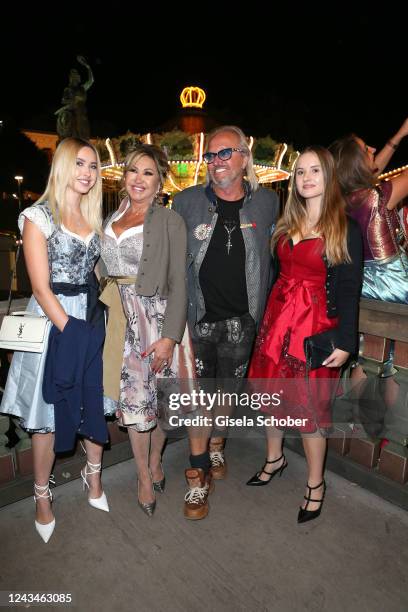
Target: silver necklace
x=229, y=228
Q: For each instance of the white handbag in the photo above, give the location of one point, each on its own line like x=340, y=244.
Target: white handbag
x=24, y=331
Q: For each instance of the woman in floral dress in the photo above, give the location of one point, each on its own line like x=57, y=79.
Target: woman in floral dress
x=144, y=251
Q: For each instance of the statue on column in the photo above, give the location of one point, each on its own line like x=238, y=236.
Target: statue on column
x=72, y=119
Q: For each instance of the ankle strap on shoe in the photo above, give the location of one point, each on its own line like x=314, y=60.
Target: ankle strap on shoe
x=43, y=491
x=317, y=486
x=308, y=498
x=93, y=467
x=276, y=460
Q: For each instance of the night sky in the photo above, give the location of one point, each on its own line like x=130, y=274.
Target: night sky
x=303, y=75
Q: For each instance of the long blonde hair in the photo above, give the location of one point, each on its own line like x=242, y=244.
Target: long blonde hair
x=332, y=224
x=62, y=170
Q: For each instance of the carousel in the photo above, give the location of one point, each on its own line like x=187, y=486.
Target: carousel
x=183, y=139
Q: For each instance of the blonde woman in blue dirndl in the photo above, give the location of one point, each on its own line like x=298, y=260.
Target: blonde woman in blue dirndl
x=61, y=247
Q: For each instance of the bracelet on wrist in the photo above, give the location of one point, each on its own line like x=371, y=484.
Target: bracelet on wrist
x=392, y=145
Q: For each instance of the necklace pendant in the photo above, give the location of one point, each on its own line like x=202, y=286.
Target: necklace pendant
x=229, y=228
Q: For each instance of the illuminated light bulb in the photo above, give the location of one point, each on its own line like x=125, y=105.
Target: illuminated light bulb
x=111, y=151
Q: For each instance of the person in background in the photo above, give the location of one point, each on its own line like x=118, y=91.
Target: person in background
x=373, y=204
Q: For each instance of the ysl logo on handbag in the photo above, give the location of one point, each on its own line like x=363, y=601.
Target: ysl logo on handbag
x=20, y=330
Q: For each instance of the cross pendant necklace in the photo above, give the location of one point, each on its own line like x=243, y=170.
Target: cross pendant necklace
x=229, y=227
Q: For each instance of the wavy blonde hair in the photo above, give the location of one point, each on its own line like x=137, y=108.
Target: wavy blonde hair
x=332, y=224
x=157, y=155
x=63, y=169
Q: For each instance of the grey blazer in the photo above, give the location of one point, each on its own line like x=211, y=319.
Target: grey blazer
x=197, y=205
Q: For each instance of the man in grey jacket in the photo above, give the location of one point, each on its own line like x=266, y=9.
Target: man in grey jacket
x=229, y=224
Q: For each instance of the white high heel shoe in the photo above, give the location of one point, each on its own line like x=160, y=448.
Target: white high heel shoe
x=43, y=492
x=101, y=503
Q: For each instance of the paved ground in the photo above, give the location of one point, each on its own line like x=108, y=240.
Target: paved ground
x=248, y=555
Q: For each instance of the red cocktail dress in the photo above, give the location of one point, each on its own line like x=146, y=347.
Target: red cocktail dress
x=296, y=309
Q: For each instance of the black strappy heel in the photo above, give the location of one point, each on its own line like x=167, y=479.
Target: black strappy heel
x=308, y=515
x=255, y=481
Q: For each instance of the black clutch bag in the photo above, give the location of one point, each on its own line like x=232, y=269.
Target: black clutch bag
x=318, y=347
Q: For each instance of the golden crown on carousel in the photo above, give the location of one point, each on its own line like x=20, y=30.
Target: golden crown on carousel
x=192, y=97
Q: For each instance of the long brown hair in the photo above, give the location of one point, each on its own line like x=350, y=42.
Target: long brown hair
x=332, y=224
x=353, y=170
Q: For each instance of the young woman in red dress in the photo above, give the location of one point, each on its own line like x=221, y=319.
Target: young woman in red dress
x=318, y=271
